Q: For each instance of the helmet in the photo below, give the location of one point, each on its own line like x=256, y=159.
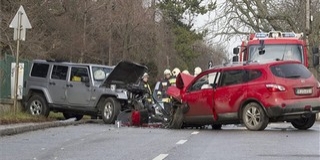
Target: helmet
x=175, y=71
x=167, y=71
x=185, y=71
x=197, y=71
x=145, y=75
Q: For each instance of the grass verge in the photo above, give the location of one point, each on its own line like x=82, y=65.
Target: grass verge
x=10, y=117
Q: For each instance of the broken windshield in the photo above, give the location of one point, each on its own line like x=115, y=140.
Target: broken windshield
x=276, y=52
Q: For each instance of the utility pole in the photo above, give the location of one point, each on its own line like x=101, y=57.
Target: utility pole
x=110, y=8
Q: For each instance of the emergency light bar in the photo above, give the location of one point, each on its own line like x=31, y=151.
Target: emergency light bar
x=275, y=34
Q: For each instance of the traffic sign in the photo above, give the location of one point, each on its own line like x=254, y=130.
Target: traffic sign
x=20, y=23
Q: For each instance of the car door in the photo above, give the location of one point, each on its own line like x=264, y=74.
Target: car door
x=230, y=93
x=78, y=93
x=199, y=98
x=57, y=84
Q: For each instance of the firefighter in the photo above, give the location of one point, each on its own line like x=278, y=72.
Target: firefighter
x=175, y=73
x=197, y=71
x=164, y=84
x=145, y=85
x=185, y=71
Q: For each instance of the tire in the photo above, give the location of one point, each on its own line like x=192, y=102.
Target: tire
x=37, y=105
x=304, y=123
x=70, y=115
x=177, y=119
x=110, y=110
x=216, y=126
x=254, y=117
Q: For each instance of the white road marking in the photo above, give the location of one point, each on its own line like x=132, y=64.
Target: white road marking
x=195, y=132
x=181, y=141
x=160, y=157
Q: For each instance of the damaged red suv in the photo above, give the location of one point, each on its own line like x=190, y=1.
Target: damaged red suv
x=253, y=94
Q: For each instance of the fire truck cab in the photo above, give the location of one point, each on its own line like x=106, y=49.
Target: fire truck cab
x=274, y=45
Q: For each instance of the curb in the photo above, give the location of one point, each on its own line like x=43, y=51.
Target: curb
x=38, y=126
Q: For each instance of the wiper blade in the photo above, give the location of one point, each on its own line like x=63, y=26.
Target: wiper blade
x=293, y=76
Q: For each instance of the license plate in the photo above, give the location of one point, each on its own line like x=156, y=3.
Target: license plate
x=304, y=91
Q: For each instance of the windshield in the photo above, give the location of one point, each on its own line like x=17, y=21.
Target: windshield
x=100, y=74
x=276, y=52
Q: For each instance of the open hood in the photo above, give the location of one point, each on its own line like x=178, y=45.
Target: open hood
x=124, y=73
x=182, y=81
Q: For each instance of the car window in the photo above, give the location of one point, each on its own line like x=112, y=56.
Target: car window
x=39, y=70
x=231, y=77
x=77, y=73
x=59, y=72
x=253, y=74
x=204, y=82
x=290, y=71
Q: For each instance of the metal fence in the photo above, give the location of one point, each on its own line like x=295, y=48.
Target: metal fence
x=5, y=74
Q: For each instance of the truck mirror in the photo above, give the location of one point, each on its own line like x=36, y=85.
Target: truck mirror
x=236, y=50
x=235, y=59
x=315, y=50
x=315, y=60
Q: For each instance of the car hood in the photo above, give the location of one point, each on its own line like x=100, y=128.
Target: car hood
x=182, y=82
x=124, y=73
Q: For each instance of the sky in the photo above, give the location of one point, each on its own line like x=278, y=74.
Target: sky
x=201, y=20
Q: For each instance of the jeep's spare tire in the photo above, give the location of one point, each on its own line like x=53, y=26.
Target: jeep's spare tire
x=37, y=105
x=110, y=109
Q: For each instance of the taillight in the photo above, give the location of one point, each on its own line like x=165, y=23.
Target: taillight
x=275, y=88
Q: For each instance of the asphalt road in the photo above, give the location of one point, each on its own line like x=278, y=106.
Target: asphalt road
x=100, y=141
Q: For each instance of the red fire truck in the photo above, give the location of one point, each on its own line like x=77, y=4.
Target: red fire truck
x=274, y=45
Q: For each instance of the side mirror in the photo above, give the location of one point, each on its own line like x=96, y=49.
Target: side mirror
x=235, y=59
x=315, y=60
x=236, y=50
x=315, y=50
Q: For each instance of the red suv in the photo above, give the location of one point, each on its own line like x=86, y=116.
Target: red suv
x=253, y=94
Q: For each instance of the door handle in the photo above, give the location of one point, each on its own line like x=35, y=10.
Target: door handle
x=69, y=85
x=52, y=83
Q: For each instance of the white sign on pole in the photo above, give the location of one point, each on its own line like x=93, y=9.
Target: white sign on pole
x=20, y=80
x=22, y=19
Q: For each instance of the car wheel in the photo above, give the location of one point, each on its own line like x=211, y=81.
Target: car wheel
x=110, y=110
x=70, y=115
x=37, y=105
x=177, y=119
x=216, y=126
x=254, y=117
x=304, y=123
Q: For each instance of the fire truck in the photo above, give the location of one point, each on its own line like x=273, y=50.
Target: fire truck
x=275, y=45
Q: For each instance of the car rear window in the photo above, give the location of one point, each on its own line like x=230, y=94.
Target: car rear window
x=290, y=71
x=39, y=70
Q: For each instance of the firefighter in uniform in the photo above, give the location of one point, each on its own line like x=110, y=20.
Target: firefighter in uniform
x=162, y=90
x=175, y=73
x=197, y=71
x=145, y=85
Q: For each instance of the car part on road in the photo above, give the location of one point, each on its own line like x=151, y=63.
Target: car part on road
x=67, y=115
